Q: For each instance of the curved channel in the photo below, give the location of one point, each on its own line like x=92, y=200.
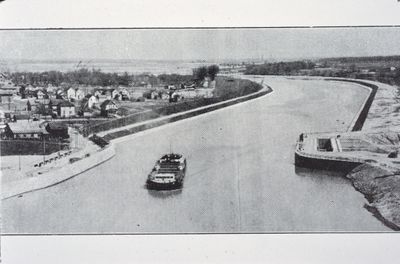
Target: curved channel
x=240, y=178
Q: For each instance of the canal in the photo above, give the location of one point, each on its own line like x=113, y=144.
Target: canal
x=240, y=178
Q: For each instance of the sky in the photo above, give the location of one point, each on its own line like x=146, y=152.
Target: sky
x=199, y=44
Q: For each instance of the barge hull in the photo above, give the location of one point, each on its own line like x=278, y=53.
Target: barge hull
x=324, y=164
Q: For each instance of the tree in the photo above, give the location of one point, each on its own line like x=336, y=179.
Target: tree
x=22, y=91
x=212, y=71
x=200, y=73
x=28, y=106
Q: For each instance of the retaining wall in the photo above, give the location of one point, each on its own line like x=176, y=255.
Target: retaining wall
x=358, y=124
x=57, y=175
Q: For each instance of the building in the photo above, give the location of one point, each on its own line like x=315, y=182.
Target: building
x=154, y=95
x=194, y=93
x=5, y=96
x=60, y=94
x=71, y=94
x=108, y=107
x=97, y=93
x=50, y=89
x=25, y=129
x=164, y=95
x=92, y=101
x=125, y=94
x=66, y=109
x=40, y=95
x=79, y=94
x=115, y=95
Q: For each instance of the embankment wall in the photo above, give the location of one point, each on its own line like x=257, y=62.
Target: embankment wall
x=56, y=175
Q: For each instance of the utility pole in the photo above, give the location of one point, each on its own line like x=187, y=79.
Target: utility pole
x=44, y=149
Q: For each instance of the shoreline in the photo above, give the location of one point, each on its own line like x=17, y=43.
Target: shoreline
x=364, y=170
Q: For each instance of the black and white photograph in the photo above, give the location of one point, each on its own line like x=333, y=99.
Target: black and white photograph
x=217, y=130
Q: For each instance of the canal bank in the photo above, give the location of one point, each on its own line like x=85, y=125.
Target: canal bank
x=368, y=158
x=141, y=126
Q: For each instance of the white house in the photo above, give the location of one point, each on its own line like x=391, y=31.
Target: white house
x=71, y=93
x=115, y=94
x=125, y=94
x=79, y=94
x=92, y=101
x=66, y=109
x=154, y=95
x=97, y=93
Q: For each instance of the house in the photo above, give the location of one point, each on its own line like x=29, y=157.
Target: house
x=205, y=92
x=164, y=96
x=71, y=94
x=107, y=94
x=125, y=94
x=50, y=89
x=79, y=94
x=26, y=129
x=3, y=127
x=60, y=94
x=154, y=95
x=40, y=95
x=30, y=88
x=92, y=101
x=115, y=95
x=108, y=107
x=65, y=109
x=186, y=93
x=5, y=96
x=97, y=93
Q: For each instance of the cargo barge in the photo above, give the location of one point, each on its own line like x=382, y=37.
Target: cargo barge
x=168, y=173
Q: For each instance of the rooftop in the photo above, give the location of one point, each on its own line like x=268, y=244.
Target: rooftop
x=27, y=126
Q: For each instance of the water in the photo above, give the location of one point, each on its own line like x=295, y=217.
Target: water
x=117, y=66
x=240, y=175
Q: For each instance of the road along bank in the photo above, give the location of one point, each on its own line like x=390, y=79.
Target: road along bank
x=86, y=159
x=369, y=158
